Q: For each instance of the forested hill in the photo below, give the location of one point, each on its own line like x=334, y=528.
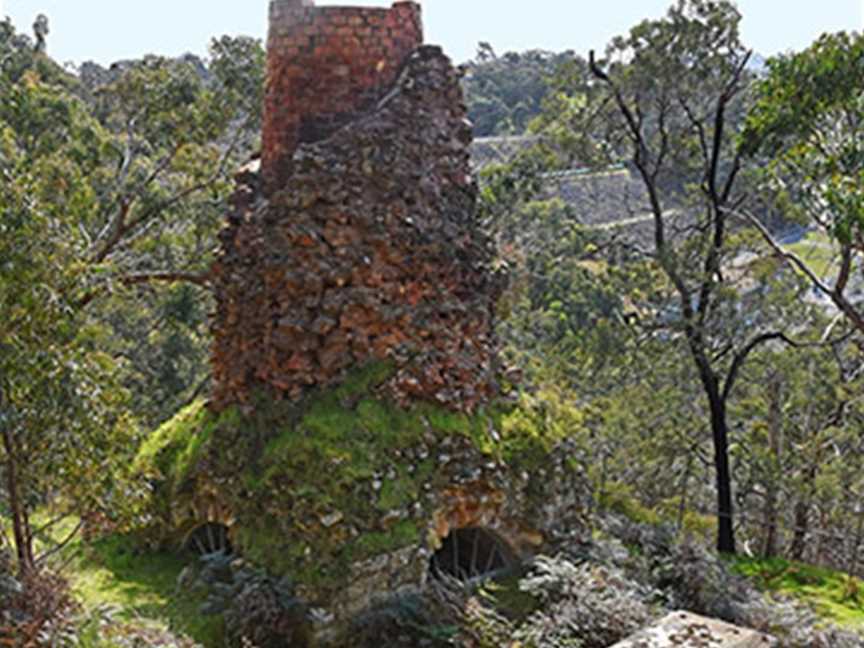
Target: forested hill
x=504, y=93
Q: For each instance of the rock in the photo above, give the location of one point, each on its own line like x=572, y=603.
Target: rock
x=686, y=630
x=332, y=519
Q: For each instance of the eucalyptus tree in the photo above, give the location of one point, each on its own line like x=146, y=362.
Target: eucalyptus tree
x=101, y=189
x=62, y=415
x=807, y=131
x=668, y=99
x=801, y=451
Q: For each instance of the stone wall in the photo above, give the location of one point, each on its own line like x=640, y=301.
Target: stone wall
x=325, y=65
x=369, y=250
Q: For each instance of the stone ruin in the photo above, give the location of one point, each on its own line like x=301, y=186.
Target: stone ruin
x=355, y=439
x=357, y=239
x=325, y=66
x=353, y=248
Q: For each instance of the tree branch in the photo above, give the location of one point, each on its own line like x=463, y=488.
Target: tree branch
x=59, y=547
x=202, y=280
x=748, y=348
x=792, y=259
x=835, y=294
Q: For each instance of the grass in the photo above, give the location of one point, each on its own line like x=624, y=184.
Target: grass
x=138, y=587
x=142, y=586
x=818, y=252
x=834, y=595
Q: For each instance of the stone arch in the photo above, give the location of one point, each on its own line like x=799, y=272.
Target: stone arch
x=209, y=537
x=472, y=553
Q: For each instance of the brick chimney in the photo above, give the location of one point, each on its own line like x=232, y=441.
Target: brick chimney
x=325, y=66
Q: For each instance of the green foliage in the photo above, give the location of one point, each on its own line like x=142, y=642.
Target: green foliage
x=63, y=410
x=836, y=596
x=504, y=93
x=103, y=188
x=139, y=169
x=619, y=498
x=806, y=126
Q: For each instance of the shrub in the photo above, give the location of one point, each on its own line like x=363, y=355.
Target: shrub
x=406, y=620
x=35, y=610
x=259, y=610
x=585, y=605
x=575, y=606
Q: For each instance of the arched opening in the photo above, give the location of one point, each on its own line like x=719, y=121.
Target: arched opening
x=472, y=553
x=209, y=538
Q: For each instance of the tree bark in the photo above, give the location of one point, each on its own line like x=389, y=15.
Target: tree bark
x=720, y=434
x=682, y=504
x=20, y=533
x=802, y=510
x=775, y=431
x=720, y=437
x=802, y=515
x=852, y=568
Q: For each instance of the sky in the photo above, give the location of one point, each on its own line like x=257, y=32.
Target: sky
x=109, y=30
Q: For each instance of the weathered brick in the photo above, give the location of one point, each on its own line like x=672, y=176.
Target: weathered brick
x=301, y=34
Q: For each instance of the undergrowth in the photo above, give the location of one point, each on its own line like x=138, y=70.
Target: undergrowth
x=139, y=591
x=836, y=596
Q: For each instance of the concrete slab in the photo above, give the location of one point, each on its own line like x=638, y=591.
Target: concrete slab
x=686, y=630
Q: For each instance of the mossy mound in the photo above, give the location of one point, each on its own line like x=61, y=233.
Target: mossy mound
x=311, y=488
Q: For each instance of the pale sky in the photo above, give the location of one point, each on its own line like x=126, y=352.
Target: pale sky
x=108, y=30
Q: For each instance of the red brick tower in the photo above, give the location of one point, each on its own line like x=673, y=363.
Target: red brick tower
x=365, y=245
x=324, y=66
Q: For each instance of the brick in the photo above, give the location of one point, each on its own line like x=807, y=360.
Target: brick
x=302, y=37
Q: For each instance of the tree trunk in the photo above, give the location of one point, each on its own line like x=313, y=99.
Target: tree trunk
x=720, y=435
x=802, y=510
x=852, y=568
x=682, y=504
x=775, y=431
x=769, y=522
x=23, y=549
x=802, y=515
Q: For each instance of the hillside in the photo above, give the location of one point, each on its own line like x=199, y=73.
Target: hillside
x=292, y=353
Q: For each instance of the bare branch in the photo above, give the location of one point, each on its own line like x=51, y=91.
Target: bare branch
x=59, y=547
x=790, y=258
x=746, y=350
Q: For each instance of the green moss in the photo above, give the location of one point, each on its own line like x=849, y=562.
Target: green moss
x=402, y=534
x=836, y=596
x=328, y=421
x=364, y=379
x=142, y=586
x=397, y=492
x=173, y=439
x=289, y=467
x=265, y=543
x=446, y=421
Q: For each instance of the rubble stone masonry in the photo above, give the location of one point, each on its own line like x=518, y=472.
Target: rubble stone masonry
x=324, y=66
x=368, y=250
